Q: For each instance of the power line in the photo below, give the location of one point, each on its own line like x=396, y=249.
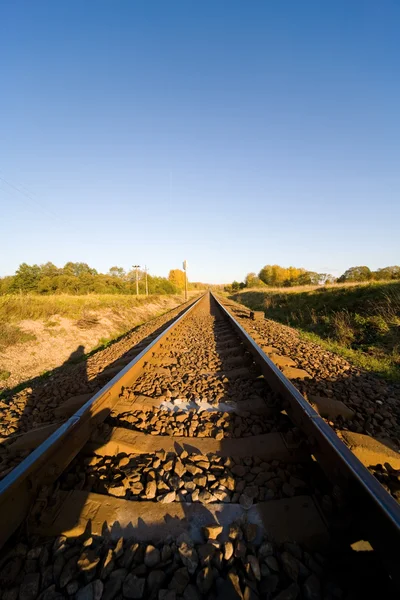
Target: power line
x=74, y=227
x=30, y=198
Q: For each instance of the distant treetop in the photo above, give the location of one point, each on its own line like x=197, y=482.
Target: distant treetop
x=276, y=276
x=79, y=278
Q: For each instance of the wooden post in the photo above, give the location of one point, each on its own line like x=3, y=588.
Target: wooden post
x=186, y=281
x=137, y=278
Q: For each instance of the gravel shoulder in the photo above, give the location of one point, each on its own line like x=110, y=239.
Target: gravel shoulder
x=374, y=404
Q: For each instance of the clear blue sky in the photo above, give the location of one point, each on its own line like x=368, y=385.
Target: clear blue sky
x=232, y=134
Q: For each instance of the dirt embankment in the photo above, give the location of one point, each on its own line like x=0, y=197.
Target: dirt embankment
x=58, y=339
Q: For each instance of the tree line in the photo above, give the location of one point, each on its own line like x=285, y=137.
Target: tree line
x=276, y=276
x=79, y=278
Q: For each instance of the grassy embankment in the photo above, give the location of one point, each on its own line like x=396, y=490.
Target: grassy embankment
x=124, y=311
x=359, y=322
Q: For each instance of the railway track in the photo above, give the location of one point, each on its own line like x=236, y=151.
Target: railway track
x=198, y=471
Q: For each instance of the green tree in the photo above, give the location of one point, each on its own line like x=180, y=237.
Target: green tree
x=267, y=275
x=252, y=280
x=79, y=278
x=26, y=278
x=387, y=273
x=356, y=274
x=117, y=272
x=49, y=270
x=78, y=268
x=47, y=285
x=308, y=278
x=6, y=285
x=68, y=284
x=161, y=285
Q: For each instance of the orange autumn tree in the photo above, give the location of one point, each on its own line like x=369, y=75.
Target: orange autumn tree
x=177, y=278
x=274, y=275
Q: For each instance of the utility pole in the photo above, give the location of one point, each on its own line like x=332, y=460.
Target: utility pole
x=186, y=281
x=147, y=287
x=136, y=267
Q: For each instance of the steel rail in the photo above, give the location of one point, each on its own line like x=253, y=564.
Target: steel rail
x=377, y=513
x=20, y=487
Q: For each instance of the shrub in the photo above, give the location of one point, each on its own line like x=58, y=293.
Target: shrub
x=12, y=334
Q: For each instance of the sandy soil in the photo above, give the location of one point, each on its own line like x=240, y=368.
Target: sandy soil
x=60, y=339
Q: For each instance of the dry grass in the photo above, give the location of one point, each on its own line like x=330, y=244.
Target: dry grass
x=85, y=311
x=12, y=334
x=297, y=289
x=15, y=308
x=359, y=321
x=60, y=324
x=4, y=374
